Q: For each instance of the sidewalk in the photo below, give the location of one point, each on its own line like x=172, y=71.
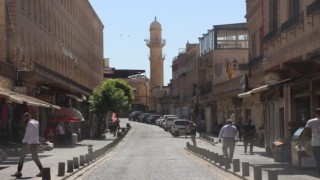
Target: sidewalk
x=260, y=157
x=50, y=159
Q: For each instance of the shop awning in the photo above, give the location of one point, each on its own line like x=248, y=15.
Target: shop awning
x=64, y=119
x=246, y=94
x=21, y=98
x=260, y=89
x=67, y=115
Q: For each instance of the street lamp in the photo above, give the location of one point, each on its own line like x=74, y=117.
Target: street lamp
x=146, y=84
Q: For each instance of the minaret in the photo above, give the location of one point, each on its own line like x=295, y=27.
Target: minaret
x=156, y=44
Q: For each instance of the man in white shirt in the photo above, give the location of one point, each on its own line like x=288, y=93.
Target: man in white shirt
x=313, y=127
x=29, y=143
x=229, y=135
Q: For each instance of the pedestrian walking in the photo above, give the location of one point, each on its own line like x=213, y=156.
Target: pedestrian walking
x=229, y=135
x=61, y=134
x=313, y=128
x=30, y=143
x=193, y=132
x=249, y=133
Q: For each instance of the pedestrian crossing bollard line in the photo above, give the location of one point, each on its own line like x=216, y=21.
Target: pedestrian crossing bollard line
x=236, y=165
x=257, y=172
x=46, y=174
x=61, y=168
x=70, y=166
x=272, y=174
x=245, y=169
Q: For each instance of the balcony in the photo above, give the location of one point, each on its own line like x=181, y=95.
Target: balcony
x=230, y=87
x=255, y=61
x=270, y=35
x=291, y=22
x=155, y=41
x=313, y=7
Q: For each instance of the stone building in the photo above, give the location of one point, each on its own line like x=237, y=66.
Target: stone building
x=284, y=65
x=222, y=74
x=184, y=80
x=53, y=51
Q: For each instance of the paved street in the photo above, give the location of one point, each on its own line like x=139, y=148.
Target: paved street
x=149, y=152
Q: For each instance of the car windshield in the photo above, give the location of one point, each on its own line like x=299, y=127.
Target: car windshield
x=182, y=123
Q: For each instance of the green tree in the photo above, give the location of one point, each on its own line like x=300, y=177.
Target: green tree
x=114, y=95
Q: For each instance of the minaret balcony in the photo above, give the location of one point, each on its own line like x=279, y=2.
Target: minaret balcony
x=155, y=42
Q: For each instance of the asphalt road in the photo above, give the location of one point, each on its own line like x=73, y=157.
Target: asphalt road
x=150, y=153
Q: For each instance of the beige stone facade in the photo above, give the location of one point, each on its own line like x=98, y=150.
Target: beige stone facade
x=284, y=64
x=140, y=85
x=222, y=75
x=51, y=50
x=184, y=80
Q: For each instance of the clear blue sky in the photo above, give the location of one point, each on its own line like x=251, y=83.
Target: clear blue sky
x=126, y=25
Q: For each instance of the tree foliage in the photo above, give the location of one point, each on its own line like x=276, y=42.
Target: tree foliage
x=114, y=95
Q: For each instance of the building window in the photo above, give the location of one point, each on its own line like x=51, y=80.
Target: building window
x=294, y=8
x=273, y=15
x=253, y=45
x=302, y=110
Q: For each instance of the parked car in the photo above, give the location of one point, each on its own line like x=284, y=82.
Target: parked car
x=180, y=127
x=168, y=122
x=159, y=121
x=152, y=118
x=134, y=115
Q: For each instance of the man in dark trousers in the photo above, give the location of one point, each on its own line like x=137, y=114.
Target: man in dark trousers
x=249, y=132
x=29, y=144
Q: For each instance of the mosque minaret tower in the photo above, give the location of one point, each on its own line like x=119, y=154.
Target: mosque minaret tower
x=156, y=44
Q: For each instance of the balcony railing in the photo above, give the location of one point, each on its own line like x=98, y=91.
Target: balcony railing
x=313, y=7
x=270, y=35
x=157, y=41
x=291, y=22
x=255, y=61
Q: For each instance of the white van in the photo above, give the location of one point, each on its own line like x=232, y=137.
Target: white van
x=179, y=127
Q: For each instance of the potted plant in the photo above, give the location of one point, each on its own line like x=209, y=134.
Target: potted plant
x=90, y=148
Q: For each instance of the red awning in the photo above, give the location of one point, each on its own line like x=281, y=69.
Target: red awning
x=67, y=115
x=64, y=119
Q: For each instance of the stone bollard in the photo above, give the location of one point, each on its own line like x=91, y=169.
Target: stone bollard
x=81, y=160
x=75, y=162
x=86, y=158
x=61, y=168
x=245, y=169
x=226, y=163
x=46, y=174
x=70, y=166
x=215, y=157
x=272, y=174
x=257, y=172
x=236, y=165
x=221, y=160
